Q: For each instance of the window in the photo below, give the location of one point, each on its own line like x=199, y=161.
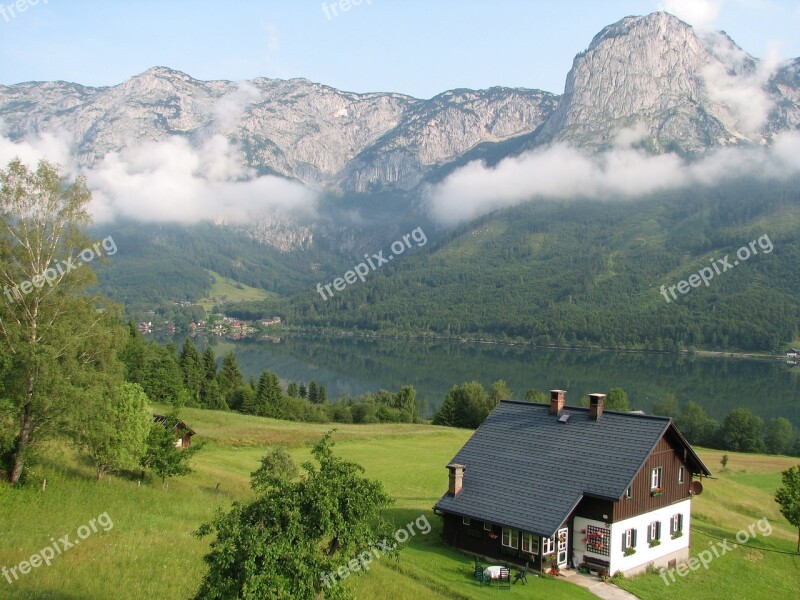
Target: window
x=629, y=539
x=655, y=479
x=597, y=540
x=629, y=492
x=681, y=474
x=530, y=543
x=465, y=521
x=510, y=538
x=676, y=524
x=548, y=546
x=487, y=526
x=654, y=531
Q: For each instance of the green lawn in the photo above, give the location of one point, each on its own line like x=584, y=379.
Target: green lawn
x=150, y=551
x=225, y=288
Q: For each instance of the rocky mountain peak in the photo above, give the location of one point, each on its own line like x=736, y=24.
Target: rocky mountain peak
x=656, y=73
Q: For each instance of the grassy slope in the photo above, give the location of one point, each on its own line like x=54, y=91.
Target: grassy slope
x=229, y=289
x=151, y=549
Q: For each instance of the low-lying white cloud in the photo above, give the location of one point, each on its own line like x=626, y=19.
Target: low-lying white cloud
x=171, y=180
x=174, y=182
x=624, y=172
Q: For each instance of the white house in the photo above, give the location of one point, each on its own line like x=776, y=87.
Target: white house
x=573, y=486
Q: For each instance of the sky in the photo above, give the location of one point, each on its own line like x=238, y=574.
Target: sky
x=420, y=48
x=416, y=47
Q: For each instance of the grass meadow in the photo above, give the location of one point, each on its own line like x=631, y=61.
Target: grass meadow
x=151, y=553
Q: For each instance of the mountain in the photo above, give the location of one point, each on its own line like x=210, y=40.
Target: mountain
x=557, y=270
x=295, y=128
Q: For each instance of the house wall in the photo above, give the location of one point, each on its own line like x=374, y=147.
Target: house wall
x=669, y=549
x=473, y=538
x=667, y=456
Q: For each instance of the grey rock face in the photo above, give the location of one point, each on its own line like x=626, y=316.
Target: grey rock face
x=686, y=92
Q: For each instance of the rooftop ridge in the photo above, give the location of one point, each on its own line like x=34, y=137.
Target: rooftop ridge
x=606, y=411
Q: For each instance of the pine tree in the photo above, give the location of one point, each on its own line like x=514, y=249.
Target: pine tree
x=323, y=395
x=293, y=391
x=313, y=392
x=191, y=367
x=230, y=376
x=303, y=392
x=209, y=364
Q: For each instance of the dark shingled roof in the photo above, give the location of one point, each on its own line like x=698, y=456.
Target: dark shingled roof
x=527, y=470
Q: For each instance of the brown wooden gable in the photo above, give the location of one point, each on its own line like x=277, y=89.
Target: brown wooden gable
x=669, y=454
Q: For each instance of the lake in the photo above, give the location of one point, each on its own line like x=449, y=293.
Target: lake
x=354, y=365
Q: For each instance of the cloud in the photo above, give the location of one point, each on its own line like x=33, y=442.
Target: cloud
x=563, y=172
x=738, y=81
x=230, y=109
x=172, y=181
x=700, y=13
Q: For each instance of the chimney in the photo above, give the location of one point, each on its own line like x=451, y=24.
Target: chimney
x=456, y=478
x=596, y=402
x=556, y=401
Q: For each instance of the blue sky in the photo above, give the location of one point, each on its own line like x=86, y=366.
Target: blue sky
x=417, y=47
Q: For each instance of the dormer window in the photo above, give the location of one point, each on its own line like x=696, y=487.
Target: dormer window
x=682, y=475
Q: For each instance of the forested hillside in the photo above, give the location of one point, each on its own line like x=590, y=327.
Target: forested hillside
x=591, y=272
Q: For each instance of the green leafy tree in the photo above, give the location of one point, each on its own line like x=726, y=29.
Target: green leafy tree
x=113, y=426
x=323, y=395
x=464, y=406
x=534, y=395
x=405, y=400
x=617, y=399
x=293, y=391
x=695, y=424
x=277, y=470
x=287, y=542
x=741, y=431
x=788, y=497
x=778, y=436
x=57, y=343
x=667, y=406
x=499, y=391
x=302, y=390
x=162, y=456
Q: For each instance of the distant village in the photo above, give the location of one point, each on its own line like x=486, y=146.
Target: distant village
x=222, y=326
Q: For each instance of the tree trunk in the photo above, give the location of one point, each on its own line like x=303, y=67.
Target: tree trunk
x=21, y=446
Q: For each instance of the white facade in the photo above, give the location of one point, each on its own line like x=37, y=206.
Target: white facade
x=668, y=549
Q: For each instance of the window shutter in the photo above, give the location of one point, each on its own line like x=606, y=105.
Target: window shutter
x=680, y=522
x=634, y=539
x=624, y=539
x=658, y=530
